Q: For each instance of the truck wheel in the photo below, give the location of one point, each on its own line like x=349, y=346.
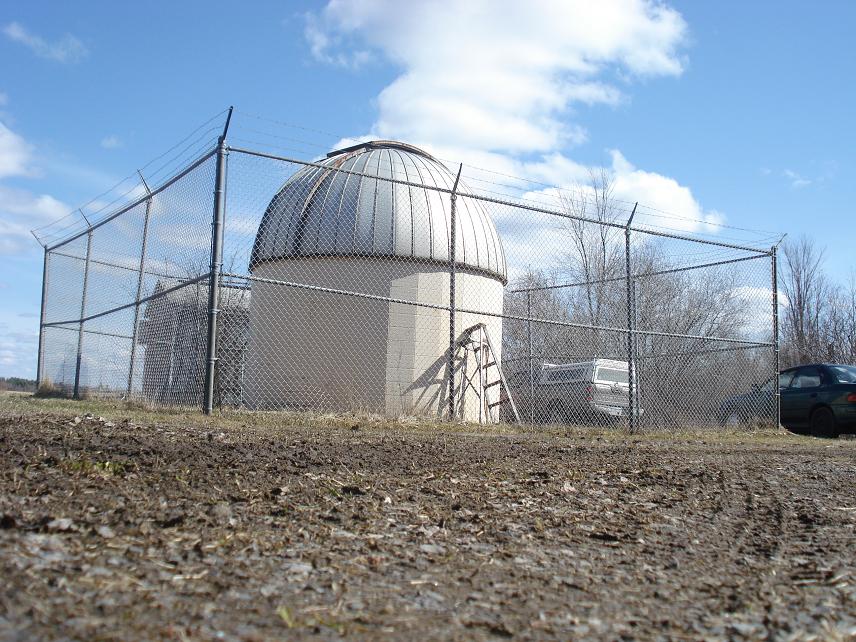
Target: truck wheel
x=823, y=423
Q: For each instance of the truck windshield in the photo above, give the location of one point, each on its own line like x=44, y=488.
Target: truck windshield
x=613, y=375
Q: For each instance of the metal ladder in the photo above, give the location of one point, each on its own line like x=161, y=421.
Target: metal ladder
x=476, y=340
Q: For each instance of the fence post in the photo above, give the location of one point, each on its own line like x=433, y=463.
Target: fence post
x=529, y=356
x=453, y=234
x=76, y=393
x=777, y=398
x=631, y=318
x=216, y=268
x=140, y=279
x=40, y=358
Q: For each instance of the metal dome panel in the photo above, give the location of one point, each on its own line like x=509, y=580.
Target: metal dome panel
x=320, y=211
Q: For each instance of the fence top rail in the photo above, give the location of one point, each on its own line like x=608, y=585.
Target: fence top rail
x=505, y=202
x=638, y=275
x=204, y=157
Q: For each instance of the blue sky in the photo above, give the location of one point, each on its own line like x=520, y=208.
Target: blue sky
x=731, y=111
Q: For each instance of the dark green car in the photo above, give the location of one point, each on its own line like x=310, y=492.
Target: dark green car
x=819, y=399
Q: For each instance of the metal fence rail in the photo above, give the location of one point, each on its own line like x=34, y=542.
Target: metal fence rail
x=378, y=280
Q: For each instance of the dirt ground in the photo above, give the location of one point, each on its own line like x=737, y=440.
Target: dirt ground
x=133, y=525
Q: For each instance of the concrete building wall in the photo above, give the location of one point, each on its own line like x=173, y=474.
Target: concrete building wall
x=327, y=351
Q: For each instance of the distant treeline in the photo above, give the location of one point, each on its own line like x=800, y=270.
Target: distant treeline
x=818, y=313
x=17, y=384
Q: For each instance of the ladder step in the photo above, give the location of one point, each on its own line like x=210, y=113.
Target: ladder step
x=492, y=384
x=496, y=403
x=488, y=365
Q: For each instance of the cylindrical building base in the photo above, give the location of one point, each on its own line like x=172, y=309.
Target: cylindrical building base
x=325, y=351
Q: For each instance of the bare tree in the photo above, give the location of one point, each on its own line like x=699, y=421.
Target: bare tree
x=696, y=303
x=682, y=379
x=837, y=328
x=596, y=250
x=846, y=321
x=808, y=293
x=539, y=302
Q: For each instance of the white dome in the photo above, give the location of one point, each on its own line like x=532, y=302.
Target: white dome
x=324, y=212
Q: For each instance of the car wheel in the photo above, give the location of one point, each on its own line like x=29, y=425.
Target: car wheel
x=823, y=423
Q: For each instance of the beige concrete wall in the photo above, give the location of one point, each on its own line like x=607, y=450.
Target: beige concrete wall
x=327, y=351
x=417, y=371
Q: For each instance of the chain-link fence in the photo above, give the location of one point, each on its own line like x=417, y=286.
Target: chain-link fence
x=380, y=280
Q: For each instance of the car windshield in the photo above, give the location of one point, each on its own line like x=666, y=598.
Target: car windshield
x=844, y=374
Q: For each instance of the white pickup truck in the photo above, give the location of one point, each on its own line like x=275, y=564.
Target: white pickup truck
x=587, y=392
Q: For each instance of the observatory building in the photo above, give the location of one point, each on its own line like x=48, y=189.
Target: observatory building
x=339, y=226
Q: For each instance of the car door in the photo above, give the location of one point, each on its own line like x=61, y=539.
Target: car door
x=785, y=399
x=802, y=394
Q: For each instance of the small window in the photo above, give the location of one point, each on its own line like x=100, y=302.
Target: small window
x=785, y=379
x=613, y=375
x=565, y=375
x=807, y=378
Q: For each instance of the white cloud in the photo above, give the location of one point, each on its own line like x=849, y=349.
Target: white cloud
x=21, y=211
x=495, y=85
x=661, y=194
x=538, y=239
x=322, y=42
x=557, y=169
x=797, y=181
x=4, y=99
x=499, y=76
x=111, y=142
x=16, y=154
x=68, y=49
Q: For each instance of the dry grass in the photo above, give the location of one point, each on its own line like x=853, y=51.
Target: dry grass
x=13, y=403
